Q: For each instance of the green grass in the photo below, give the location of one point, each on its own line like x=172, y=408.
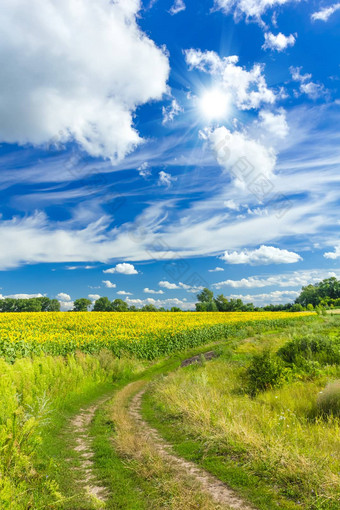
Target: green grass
x=272, y=448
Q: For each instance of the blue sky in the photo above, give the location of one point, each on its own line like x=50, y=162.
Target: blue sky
x=149, y=149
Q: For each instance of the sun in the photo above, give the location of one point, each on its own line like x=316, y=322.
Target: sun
x=214, y=104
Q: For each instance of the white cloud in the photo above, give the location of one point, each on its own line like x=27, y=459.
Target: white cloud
x=231, y=204
x=123, y=268
x=150, y=291
x=144, y=170
x=66, y=306
x=109, y=284
x=248, y=8
x=216, y=270
x=170, y=112
x=308, y=87
x=261, y=256
x=177, y=7
x=274, y=123
x=63, y=297
x=74, y=268
x=248, y=89
x=123, y=293
x=94, y=297
x=325, y=13
x=74, y=84
x=244, y=158
x=275, y=297
x=167, y=303
x=333, y=255
x=165, y=179
x=168, y=285
x=21, y=296
x=277, y=42
x=291, y=279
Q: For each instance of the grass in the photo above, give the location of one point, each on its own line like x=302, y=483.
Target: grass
x=274, y=449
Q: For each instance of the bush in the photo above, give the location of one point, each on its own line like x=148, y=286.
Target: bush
x=265, y=371
x=328, y=402
x=301, y=350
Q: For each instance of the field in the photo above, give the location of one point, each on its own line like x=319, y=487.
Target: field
x=146, y=335
x=71, y=435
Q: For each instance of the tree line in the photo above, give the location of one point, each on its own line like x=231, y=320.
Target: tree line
x=325, y=294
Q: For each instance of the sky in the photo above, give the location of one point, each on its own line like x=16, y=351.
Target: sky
x=149, y=149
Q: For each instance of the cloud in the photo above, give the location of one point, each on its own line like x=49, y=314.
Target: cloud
x=22, y=296
x=168, y=285
x=144, y=170
x=247, y=89
x=325, y=13
x=150, y=291
x=261, y=256
x=248, y=8
x=74, y=268
x=165, y=179
x=109, y=284
x=74, y=84
x=170, y=112
x=177, y=7
x=216, y=270
x=93, y=297
x=275, y=297
x=333, y=255
x=244, y=158
x=123, y=268
x=123, y=293
x=66, y=306
x=167, y=303
x=291, y=279
x=274, y=123
x=231, y=204
x=277, y=42
x=308, y=87
x=63, y=297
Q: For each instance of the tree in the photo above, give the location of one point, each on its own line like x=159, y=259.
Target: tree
x=175, y=309
x=54, y=306
x=102, y=304
x=118, y=305
x=205, y=296
x=149, y=308
x=81, y=305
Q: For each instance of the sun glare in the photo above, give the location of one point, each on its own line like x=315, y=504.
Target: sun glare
x=214, y=104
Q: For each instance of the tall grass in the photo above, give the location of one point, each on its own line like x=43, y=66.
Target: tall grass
x=31, y=392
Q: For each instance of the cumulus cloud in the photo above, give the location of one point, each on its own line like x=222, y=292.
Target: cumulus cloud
x=244, y=158
x=144, y=170
x=247, y=89
x=170, y=112
x=93, y=297
x=74, y=84
x=22, y=296
x=216, y=270
x=261, y=256
x=275, y=297
x=232, y=205
x=325, y=13
x=167, y=303
x=63, y=297
x=308, y=87
x=277, y=42
x=123, y=268
x=165, y=179
x=333, y=255
x=168, y=285
x=177, y=7
x=151, y=291
x=109, y=284
x=275, y=124
x=124, y=293
x=248, y=8
x=291, y=279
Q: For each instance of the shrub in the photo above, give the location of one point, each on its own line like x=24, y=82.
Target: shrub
x=329, y=400
x=264, y=372
x=301, y=350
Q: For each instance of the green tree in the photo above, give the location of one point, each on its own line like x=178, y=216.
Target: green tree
x=118, y=305
x=205, y=296
x=149, y=308
x=81, y=305
x=103, y=304
x=53, y=306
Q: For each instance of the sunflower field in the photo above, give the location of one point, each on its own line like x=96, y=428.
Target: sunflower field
x=144, y=335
